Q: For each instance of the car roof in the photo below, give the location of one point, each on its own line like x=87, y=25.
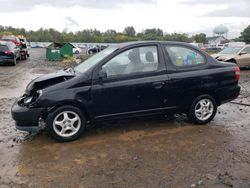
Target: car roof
x=125, y=44
x=239, y=46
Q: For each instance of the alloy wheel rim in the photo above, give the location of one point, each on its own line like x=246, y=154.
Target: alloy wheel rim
x=204, y=109
x=66, y=124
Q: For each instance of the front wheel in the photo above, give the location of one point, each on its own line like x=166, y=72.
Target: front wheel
x=202, y=110
x=66, y=123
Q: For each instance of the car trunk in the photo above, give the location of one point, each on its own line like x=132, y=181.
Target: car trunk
x=5, y=53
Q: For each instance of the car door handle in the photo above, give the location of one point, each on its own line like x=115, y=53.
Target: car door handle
x=158, y=85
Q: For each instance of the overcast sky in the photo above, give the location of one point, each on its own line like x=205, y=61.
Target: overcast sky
x=189, y=16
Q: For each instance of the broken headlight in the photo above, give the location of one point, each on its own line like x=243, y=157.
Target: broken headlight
x=33, y=97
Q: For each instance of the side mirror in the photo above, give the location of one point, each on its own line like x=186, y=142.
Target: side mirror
x=242, y=53
x=102, y=74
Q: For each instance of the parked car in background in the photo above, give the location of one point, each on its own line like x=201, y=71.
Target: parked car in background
x=198, y=45
x=102, y=47
x=237, y=55
x=222, y=46
x=124, y=81
x=23, y=48
x=77, y=50
x=11, y=38
x=94, y=49
x=9, y=53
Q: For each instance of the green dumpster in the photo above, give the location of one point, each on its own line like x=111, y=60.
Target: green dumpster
x=57, y=51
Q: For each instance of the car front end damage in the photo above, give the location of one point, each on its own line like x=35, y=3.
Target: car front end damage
x=27, y=116
x=29, y=112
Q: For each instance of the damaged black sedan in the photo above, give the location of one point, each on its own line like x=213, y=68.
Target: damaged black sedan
x=125, y=81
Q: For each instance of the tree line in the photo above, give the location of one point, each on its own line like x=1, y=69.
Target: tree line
x=109, y=36
x=94, y=35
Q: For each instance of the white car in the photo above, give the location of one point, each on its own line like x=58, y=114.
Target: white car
x=77, y=50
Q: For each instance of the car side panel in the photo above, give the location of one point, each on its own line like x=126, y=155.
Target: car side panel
x=189, y=83
x=243, y=60
x=130, y=96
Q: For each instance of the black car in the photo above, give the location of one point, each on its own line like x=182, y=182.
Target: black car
x=93, y=50
x=96, y=49
x=9, y=53
x=125, y=81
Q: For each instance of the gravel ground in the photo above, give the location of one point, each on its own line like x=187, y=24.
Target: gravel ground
x=151, y=152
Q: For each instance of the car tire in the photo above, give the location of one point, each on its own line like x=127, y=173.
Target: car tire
x=202, y=110
x=14, y=62
x=76, y=52
x=24, y=57
x=66, y=123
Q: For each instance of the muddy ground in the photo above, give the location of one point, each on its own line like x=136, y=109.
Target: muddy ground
x=152, y=152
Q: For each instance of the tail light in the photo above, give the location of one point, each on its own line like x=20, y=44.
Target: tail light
x=8, y=52
x=237, y=73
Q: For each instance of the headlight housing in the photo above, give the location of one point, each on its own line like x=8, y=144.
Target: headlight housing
x=28, y=100
x=33, y=97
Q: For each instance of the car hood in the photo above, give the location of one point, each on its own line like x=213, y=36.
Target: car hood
x=49, y=80
x=223, y=57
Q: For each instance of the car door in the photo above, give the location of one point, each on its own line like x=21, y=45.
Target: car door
x=135, y=83
x=244, y=59
x=187, y=71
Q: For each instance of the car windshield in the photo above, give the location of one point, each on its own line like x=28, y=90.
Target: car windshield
x=92, y=61
x=230, y=50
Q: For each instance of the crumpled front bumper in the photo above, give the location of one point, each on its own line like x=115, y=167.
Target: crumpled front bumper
x=26, y=118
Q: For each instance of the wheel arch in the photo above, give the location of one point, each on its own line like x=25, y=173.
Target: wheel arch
x=232, y=60
x=209, y=93
x=74, y=103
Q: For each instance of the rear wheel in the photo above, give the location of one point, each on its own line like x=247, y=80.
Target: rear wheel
x=24, y=57
x=67, y=123
x=203, y=109
x=14, y=61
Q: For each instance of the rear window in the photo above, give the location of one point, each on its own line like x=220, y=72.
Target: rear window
x=184, y=57
x=3, y=48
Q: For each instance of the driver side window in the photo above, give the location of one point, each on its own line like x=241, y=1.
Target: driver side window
x=132, y=61
x=247, y=50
